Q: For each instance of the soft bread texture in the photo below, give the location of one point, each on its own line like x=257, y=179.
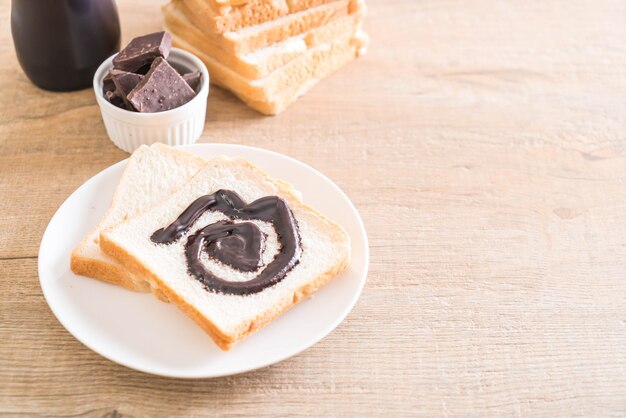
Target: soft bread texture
x=223, y=18
x=251, y=38
x=231, y=15
x=262, y=62
x=229, y=318
x=272, y=94
x=151, y=174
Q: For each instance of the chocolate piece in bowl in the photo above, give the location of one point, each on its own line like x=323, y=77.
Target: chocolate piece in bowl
x=161, y=89
x=125, y=82
x=115, y=99
x=141, y=51
x=144, y=70
x=107, y=84
x=193, y=79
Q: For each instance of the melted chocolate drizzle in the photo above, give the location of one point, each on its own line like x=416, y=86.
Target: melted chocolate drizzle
x=240, y=245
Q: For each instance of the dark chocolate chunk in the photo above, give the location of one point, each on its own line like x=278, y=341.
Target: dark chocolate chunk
x=115, y=99
x=161, y=89
x=143, y=70
x=125, y=82
x=107, y=83
x=193, y=79
x=143, y=50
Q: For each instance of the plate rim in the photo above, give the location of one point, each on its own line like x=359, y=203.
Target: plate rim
x=331, y=326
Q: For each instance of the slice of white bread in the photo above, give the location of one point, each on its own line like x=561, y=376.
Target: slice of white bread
x=151, y=174
x=229, y=318
x=262, y=62
x=231, y=15
x=251, y=38
x=292, y=4
x=272, y=94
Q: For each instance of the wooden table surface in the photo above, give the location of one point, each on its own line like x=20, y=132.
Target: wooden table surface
x=483, y=142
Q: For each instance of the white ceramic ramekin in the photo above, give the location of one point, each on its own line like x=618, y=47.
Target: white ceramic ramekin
x=179, y=126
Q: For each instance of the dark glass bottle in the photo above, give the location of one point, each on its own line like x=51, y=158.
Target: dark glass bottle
x=61, y=43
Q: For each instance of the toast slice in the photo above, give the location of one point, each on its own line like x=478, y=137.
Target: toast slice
x=262, y=62
x=251, y=38
x=272, y=94
x=227, y=316
x=293, y=4
x=231, y=15
x=151, y=174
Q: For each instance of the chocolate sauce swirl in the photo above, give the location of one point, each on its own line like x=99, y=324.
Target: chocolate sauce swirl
x=239, y=245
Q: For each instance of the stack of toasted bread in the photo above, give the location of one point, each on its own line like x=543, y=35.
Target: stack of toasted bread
x=268, y=52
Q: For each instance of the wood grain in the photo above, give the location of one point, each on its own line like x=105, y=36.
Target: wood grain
x=483, y=143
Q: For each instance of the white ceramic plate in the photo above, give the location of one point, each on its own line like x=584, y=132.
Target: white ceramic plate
x=140, y=332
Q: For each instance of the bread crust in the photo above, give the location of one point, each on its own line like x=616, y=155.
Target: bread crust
x=297, y=77
x=225, y=340
x=248, y=41
x=236, y=15
x=107, y=272
x=222, y=340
